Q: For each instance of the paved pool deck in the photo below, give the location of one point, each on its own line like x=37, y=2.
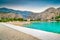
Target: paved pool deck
x=36, y=33
x=7, y=33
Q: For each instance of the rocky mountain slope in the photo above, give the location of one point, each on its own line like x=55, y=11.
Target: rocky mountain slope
x=10, y=15
x=48, y=14
x=14, y=13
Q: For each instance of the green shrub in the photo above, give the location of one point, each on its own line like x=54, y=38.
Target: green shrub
x=11, y=19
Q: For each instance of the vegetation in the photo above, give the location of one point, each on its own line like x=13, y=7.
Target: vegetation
x=57, y=18
x=10, y=19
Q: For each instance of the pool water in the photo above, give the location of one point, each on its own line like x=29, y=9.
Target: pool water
x=45, y=26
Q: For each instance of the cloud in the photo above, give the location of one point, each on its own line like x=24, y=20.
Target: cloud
x=31, y=5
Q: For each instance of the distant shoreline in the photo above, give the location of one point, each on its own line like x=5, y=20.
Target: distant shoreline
x=19, y=23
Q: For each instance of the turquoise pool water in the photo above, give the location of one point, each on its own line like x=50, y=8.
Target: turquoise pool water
x=46, y=26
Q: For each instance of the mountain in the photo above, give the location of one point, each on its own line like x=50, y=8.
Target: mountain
x=24, y=14
x=34, y=16
x=48, y=14
x=9, y=15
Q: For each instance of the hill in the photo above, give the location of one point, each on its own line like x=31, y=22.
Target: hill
x=49, y=14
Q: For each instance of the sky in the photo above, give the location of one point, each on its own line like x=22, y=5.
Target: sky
x=29, y=5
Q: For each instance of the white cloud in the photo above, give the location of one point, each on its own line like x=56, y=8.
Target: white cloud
x=33, y=9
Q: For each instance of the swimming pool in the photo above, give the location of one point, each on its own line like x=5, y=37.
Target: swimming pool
x=45, y=26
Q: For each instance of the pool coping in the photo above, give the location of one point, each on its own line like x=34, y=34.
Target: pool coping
x=36, y=33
